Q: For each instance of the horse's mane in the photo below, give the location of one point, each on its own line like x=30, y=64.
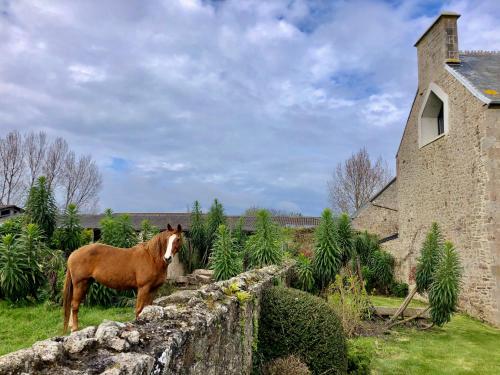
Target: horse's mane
x=156, y=245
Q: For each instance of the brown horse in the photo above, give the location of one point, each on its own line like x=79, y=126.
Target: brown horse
x=142, y=267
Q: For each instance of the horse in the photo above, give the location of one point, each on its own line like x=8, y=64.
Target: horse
x=142, y=267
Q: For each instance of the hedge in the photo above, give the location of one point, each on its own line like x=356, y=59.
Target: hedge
x=297, y=323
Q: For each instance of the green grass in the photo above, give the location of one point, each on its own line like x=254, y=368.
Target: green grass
x=20, y=327
x=394, y=302
x=463, y=346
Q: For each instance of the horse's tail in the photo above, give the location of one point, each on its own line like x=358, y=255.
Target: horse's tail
x=67, y=297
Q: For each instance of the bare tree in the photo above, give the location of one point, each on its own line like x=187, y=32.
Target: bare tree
x=35, y=149
x=355, y=181
x=54, y=161
x=25, y=158
x=252, y=211
x=12, y=167
x=80, y=181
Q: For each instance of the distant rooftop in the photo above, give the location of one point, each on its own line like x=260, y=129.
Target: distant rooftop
x=479, y=71
x=162, y=219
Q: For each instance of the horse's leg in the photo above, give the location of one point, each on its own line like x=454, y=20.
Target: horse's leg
x=79, y=290
x=143, y=295
x=151, y=296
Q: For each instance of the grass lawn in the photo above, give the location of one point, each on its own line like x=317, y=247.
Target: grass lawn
x=20, y=327
x=394, y=302
x=463, y=346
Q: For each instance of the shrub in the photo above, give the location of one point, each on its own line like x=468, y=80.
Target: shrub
x=55, y=270
x=87, y=236
x=215, y=217
x=298, y=323
x=100, y=295
x=305, y=273
x=31, y=243
x=197, y=238
x=382, y=270
x=13, y=226
x=117, y=231
x=264, y=247
x=365, y=245
x=429, y=257
x=290, y=365
x=327, y=255
x=398, y=289
x=443, y=292
x=224, y=259
x=348, y=298
x=148, y=231
x=41, y=207
x=69, y=236
x=239, y=235
x=344, y=237
x=188, y=255
x=14, y=279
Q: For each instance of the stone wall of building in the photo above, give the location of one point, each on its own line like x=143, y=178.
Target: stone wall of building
x=207, y=331
x=449, y=181
x=490, y=146
x=380, y=215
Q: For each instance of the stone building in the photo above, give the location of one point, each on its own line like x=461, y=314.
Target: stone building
x=448, y=168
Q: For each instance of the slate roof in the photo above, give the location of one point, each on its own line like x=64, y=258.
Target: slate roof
x=162, y=219
x=3, y=206
x=375, y=196
x=479, y=71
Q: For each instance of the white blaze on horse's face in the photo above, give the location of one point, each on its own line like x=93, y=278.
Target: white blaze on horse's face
x=168, y=253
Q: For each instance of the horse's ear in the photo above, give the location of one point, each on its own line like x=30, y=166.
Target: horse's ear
x=179, y=228
x=169, y=227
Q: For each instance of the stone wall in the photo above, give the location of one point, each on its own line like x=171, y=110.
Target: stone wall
x=380, y=215
x=453, y=181
x=211, y=330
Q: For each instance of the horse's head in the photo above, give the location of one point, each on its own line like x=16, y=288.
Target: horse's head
x=174, y=242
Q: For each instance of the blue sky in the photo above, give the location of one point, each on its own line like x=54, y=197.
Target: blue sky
x=251, y=102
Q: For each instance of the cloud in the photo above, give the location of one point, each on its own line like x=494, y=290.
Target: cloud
x=252, y=102
x=85, y=73
x=384, y=110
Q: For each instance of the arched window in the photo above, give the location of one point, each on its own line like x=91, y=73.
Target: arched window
x=433, y=117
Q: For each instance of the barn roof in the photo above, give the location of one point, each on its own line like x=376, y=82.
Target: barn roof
x=4, y=206
x=479, y=72
x=162, y=219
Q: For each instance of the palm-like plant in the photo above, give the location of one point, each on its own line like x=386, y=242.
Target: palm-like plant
x=148, y=231
x=225, y=259
x=445, y=286
x=345, y=237
x=41, y=207
x=215, y=217
x=429, y=257
x=117, y=231
x=32, y=244
x=239, y=234
x=382, y=268
x=363, y=246
x=305, y=273
x=13, y=226
x=69, y=236
x=197, y=236
x=327, y=255
x=264, y=247
x=14, y=280
x=54, y=269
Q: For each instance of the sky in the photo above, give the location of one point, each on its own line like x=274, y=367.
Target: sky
x=251, y=102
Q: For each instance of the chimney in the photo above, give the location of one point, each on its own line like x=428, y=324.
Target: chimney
x=436, y=47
